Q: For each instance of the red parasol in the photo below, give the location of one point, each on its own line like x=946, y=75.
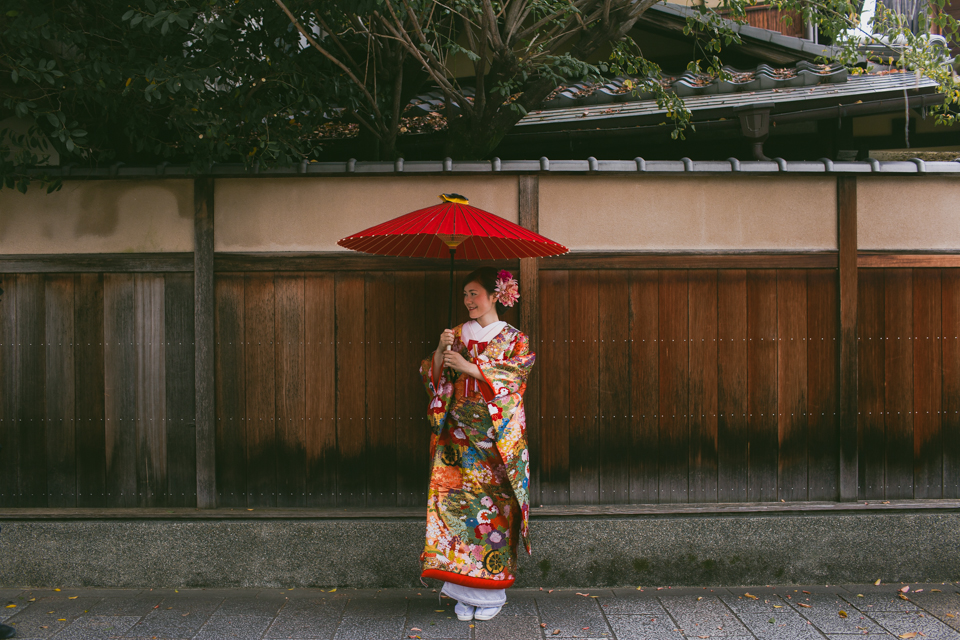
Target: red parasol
x=454, y=227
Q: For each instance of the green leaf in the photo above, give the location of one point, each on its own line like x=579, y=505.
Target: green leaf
x=128, y=15
x=14, y=76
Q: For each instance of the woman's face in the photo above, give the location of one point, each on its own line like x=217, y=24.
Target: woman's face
x=479, y=303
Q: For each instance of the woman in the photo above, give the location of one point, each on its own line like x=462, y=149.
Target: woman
x=478, y=507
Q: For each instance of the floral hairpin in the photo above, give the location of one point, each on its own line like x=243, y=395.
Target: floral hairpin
x=507, y=290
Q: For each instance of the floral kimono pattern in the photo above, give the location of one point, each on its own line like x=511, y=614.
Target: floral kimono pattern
x=477, y=503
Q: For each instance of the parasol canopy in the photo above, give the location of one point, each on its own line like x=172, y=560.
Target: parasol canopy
x=452, y=228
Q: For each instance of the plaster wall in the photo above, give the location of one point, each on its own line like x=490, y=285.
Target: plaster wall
x=908, y=213
x=103, y=216
x=289, y=214
x=661, y=213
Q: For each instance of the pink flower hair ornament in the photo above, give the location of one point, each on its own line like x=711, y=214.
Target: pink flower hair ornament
x=507, y=289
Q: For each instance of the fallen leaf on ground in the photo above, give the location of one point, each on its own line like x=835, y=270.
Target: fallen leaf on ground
x=935, y=591
x=699, y=598
x=842, y=613
x=550, y=591
x=747, y=595
x=439, y=610
x=908, y=634
x=56, y=589
x=903, y=597
x=61, y=619
x=11, y=606
x=877, y=582
x=543, y=625
x=778, y=606
x=584, y=628
x=905, y=589
x=859, y=595
x=950, y=615
x=72, y=597
x=772, y=620
x=583, y=594
x=416, y=629
x=805, y=606
x=918, y=590
x=32, y=600
x=556, y=632
x=334, y=589
x=807, y=592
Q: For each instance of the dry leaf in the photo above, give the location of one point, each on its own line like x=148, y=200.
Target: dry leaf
x=950, y=615
x=877, y=582
x=905, y=589
x=842, y=613
x=11, y=606
x=935, y=591
x=918, y=590
x=439, y=610
x=747, y=595
x=56, y=589
x=584, y=628
x=903, y=597
x=583, y=594
x=72, y=597
x=778, y=606
x=415, y=629
x=556, y=632
x=32, y=600
x=805, y=606
x=699, y=598
x=543, y=625
x=334, y=589
x=61, y=619
x=639, y=588
x=550, y=591
x=807, y=592
x=908, y=634
x=859, y=595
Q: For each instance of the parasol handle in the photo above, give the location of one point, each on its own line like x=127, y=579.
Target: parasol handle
x=450, y=309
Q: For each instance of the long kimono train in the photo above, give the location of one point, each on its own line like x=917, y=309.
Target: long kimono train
x=477, y=504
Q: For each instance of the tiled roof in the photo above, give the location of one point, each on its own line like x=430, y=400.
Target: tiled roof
x=837, y=93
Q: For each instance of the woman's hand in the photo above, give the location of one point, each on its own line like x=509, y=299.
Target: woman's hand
x=453, y=360
x=446, y=340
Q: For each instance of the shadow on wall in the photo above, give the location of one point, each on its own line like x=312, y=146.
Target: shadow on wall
x=101, y=203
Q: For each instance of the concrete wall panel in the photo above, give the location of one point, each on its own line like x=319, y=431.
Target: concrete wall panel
x=289, y=214
x=658, y=213
x=116, y=216
x=900, y=213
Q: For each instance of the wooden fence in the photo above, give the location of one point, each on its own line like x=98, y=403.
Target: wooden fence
x=660, y=384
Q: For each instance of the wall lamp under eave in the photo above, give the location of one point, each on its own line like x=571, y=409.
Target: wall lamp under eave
x=755, y=126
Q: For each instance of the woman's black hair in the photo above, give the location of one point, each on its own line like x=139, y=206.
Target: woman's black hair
x=486, y=277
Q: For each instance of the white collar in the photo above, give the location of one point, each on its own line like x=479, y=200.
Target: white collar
x=473, y=331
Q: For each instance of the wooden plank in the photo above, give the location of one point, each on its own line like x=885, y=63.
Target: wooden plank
x=762, y=384
x=848, y=274
x=60, y=432
x=553, y=360
x=290, y=390
x=89, y=384
x=733, y=437
x=927, y=380
x=320, y=390
x=823, y=446
x=674, y=440
x=204, y=333
x=613, y=297
x=179, y=371
x=413, y=433
x=645, y=386
x=871, y=380
x=380, y=361
x=592, y=260
x=259, y=302
x=151, y=390
x=898, y=373
x=703, y=385
x=120, y=389
x=528, y=194
x=583, y=380
x=9, y=395
x=950, y=332
x=32, y=402
x=898, y=260
x=792, y=384
x=351, y=390
x=97, y=263
x=343, y=261
x=229, y=359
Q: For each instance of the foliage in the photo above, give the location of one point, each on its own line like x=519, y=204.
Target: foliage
x=201, y=81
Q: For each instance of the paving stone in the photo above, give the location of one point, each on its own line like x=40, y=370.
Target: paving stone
x=506, y=626
x=200, y=604
x=172, y=624
x=251, y=605
x=871, y=602
x=137, y=605
x=943, y=605
x=826, y=617
x=375, y=605
x=787, y=625
x=644, y=627
x=521, y=602
x=625, y=603
x=570, y=613
x=97, y=628
x=764, y=603
x=901, y=623
x=219, y=627
x=375, y=628
x=708, y=616
x=437, y=625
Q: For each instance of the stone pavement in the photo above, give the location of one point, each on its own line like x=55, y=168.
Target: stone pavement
x=929, y=611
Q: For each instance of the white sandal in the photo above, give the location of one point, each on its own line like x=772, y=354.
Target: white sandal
x=486, y=613
x=464, y=611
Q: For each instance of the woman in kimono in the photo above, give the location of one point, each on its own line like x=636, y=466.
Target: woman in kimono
x=477, y=505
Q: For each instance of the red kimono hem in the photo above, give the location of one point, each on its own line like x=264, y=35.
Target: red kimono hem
x=467, y=581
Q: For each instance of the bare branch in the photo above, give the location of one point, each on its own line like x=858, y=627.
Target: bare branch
x=316, y=45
